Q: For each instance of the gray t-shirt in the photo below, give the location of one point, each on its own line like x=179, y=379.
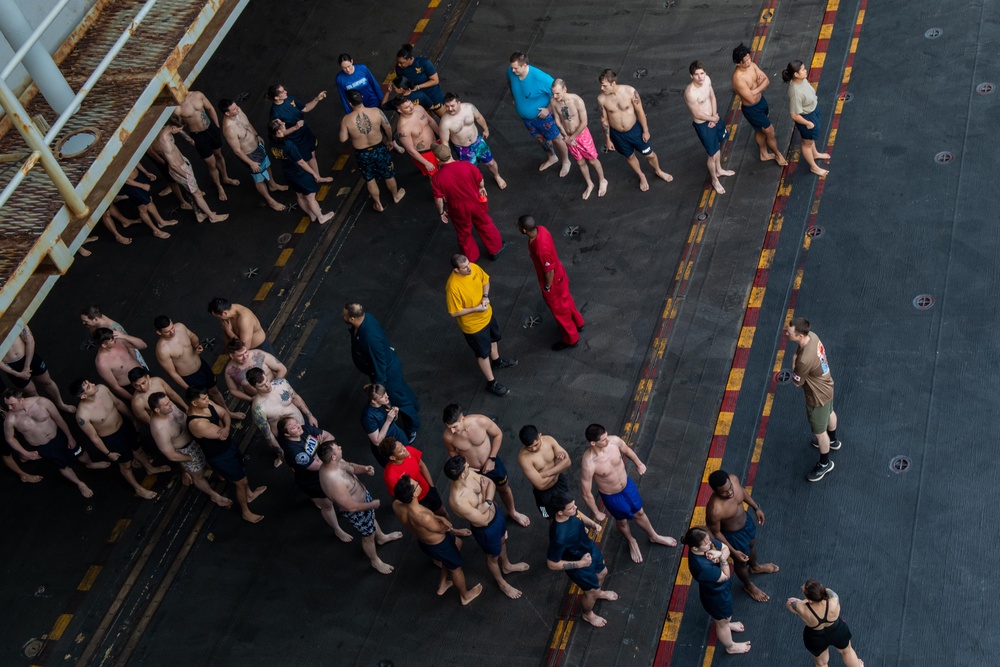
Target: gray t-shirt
x=801, y=98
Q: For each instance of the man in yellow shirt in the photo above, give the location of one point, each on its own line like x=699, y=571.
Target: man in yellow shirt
x=468, y=298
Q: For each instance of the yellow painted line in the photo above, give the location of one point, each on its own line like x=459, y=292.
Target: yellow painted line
x=672, y=627
x=756, y=297
x=758, y=447
x=818, y=60
x=698, y=516
x=711, y=465
x=60, y=627
x=421, y=25
x=746, y=337
x=724, y=424
x=826, y=31
x=776, y=222
x=785, y=188
x=847, y=74
x=556, y=635
x=566, y=634
x=323, y=191
x=220, y=363
x=303, y=224
x=89, y=577
x=735, y=380
x=766, y=257
x=341, y=161
x=861, y=17
x=148, y=481
x=683, y=574
x=666, y=308
x=116, y=532
x=833, y=5
x=780, y=359
x=709, y=656
x=262, y=292
x=768, y=402
x=689, y=271
x=391, y=76
x=434, y=3
x=283, y=257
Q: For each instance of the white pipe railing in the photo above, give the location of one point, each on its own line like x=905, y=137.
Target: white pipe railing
x=35, y=36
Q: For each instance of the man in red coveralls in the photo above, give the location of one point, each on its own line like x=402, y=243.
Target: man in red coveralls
x=553, y=281
x=460, y=196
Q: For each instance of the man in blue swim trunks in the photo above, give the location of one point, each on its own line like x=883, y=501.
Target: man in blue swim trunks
x=458, y=126
x=735, y=527
x=572, y=551
x=604, y=462
x=369, y=131
x=625, y=126
x=471, y=498
x=436, y=537
x=749, y=83
x=248, y=146
x=531, y=89
x=711, y=129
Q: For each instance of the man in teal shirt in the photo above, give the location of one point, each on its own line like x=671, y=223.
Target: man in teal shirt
x=532, y=91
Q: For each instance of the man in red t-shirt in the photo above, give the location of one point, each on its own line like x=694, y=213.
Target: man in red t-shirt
x=404, y=460
x=460, y=195
x=553, y=281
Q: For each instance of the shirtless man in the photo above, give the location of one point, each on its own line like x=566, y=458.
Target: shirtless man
x=22, y=365
x=749, y=83
x=202, y=125
x=168, y=426
x=570, y=114
x=418, y=133
x=735, y=528
x=368, y=130
x=543, y=461
x=100, y=417
x=478, y=439
x=625, y=127
x=472, y=499
x=711, y=129
x=458, y=126
x=115, y=358
x=180, y=169
x=145, y=385
x=178, y=351
x=93, y=319
x=436, y=537
x=249, y=148
x=275, y=399
x=239, y=322
x=339, y=481
x=43, y=428
x=210, y=426
x=604, y=462
x=242, y=359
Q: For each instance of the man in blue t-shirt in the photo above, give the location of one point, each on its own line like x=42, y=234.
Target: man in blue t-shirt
x=531, y=89
x=572, y=551
x=291, y=110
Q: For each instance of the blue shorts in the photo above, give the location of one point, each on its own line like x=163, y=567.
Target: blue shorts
x=499, y=472
x=718, y=605
x=630, y=141
x=711, y=137
x=364, y=520
x=741, y=539
x=444, y=552
x=586, y=577
x=123, y=442
x=259, y=155
x=477, y=151
x=375, y=162
x=624, y=504
x=228, y=464
x=756, y=114
x=805, y=132
x=490, y=537
x=543, y=127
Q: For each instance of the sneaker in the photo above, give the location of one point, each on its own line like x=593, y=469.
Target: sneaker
x=503, y=363
x=499, y=252
x=819, y=471
x=834, y=446
x=497, y=389
x=563, y=345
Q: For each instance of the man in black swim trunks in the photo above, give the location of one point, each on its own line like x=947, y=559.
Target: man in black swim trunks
x=209, y=424
x=749, y=83
x=22, y=365
x=543, y=461
x=202, y=124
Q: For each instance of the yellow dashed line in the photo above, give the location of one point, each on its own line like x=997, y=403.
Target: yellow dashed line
x=698, y=516
x=735, y=380
x=746, y=337
x=709, y=656
x=262, y=292
x=711, y=465
x=89, y=577
x=421, y=25
x=724, y=423
x=119, y=528
x=756, y=297
x=341, y=161
x=220, y=363
x=283, y=257
x=60, y=627
x=323, y=190
x=303, y=224
x=672, y=627
x=818, y=60
x=766, y=257
x=826, y=31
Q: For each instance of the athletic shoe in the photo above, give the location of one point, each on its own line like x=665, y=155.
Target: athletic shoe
x=834, y=446
x=563, y=345
x=499, y=252
x=497, y=389
x=503, y=363
x=819, y=471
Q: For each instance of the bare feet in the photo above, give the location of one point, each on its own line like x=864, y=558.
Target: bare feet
x=548, y=163
x=509, y=590
x=738, y=647
x=230, y=181
x=145, y=493
x=819, y=172
x=400, y=193
x=718, y=186
x=586, y=193
x=783, y=162
x=444, y=585
x=377, y=205
x=500, y=182
x=237, y=415
x=665, y=176
x=168, y=223
x=766, y=155
x=278, y=461
x=382, y=568
x=521, y=519
x=565, y=169
x=124, y=240
x=472, y=594
x=85, y=490
x=602, y=188
x=277, y=206
x=822, y=156
x=274, y=187
x=736, y=626
x=186, y=206
x=84, y=252
x=666, y=541
x=221, y=501
x=610, y=596
x=31, y=479
x=156, y=470
x=218, y=218
x=222, y=195
x=98, y=465
x=164, y=192
x=342, y=536
x=515, y=567
x=461, y=532
x=756, y=593
x=325, y=179
x=325, y=218
x=388, y=537
x=253, y=494
x=200, y=217
x=633, y=548
x=594, y=619
x=253, y=518
x=160, y=234
x=764, y=568
x=644, y=186
x=726, y=172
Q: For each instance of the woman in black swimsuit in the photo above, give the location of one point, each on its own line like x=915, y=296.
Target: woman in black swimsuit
x=826, y=630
